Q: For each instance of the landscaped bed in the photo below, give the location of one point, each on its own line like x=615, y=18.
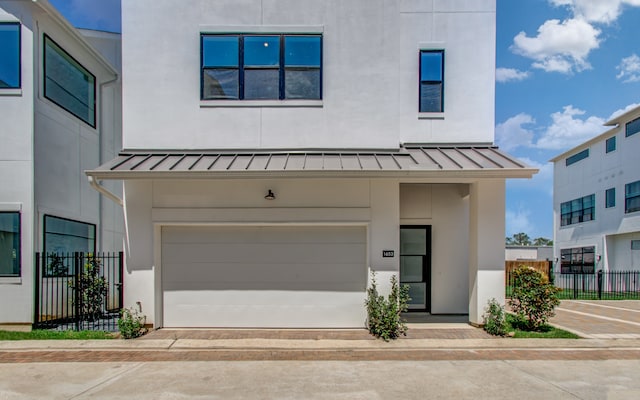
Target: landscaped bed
x=39, y=334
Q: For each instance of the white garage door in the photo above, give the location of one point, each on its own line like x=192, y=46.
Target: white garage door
x=264, y=276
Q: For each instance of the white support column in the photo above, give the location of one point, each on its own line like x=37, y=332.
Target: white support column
x=486, y=246
x=384, y=231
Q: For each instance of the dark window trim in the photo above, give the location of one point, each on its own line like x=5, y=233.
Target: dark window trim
x=44, y=79
x=627, y=198
x=613, y=140
x=577, y=157
x=19, y=54
x=281, y=66
x=567, y=266
x=566, y=218
x=420, y=81
x=635, y=123
x=612, y=203
x=19, y=252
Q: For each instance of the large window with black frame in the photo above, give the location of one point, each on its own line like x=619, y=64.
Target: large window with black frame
x=579, y=260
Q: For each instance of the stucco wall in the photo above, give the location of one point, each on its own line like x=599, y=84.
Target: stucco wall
x=370, y=74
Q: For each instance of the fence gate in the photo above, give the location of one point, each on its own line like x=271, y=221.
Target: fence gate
x=78, y=291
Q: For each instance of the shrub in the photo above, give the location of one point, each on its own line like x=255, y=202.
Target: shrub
x=93, y=289
x=384, y=318
x=131, y=323
x=533, y=298
x=494, y=318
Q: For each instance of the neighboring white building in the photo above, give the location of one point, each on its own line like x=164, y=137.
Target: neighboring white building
x=275, y=153
x=596, y=201
x=60, y=114
x=514, y=253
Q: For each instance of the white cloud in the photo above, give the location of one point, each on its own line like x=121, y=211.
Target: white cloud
x=623, y=110
x=510, y=74
x=512, y=134
x=568, y=130
x=559, y=46
x=597, y=11
x=542, y=181
x=629, y=69
x=517, y=221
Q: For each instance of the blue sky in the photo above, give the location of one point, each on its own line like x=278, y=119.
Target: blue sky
x=564, y=67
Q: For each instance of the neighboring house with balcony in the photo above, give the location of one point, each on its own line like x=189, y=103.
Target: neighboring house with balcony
x=276, y=153
x=60, y=114
x=596, y=201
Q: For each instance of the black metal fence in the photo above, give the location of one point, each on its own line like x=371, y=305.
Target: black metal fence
x=609, y=285
x=78, y=291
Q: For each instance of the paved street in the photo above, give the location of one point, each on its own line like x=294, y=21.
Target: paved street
x=323, y=380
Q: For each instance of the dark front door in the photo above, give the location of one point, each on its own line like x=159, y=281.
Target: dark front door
x=415, y=265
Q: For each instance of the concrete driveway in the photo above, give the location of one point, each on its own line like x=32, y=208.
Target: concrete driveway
x=603, y=319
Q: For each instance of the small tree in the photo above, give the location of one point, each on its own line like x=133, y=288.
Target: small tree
x=384, y=318
x=494, y=320
x=93, y=289
x=533, y=298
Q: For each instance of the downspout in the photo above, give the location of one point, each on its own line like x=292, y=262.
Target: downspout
x=94, y=184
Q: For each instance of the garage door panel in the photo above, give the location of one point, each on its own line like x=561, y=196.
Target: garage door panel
x=264, y=276
x=272, y=253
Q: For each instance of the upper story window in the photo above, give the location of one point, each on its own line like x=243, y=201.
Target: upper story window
x=261, y=67
x=68, y=84
x=610, y=144
x=632, y=197
x=610, y=198
x=578, y=210
x=577, y=157
x=432, y=81
x=9, y=55
x=9, y=243
x=632, y=127
x=64, y=236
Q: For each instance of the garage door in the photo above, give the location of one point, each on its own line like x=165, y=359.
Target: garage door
x=264, y=276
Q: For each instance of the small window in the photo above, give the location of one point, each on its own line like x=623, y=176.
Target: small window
x=64, y=236
x=580, y=260
x=577, y=157
x=611, y=144
x=578, y=210
x=69, y=84
x=432, y=81
x=632, y=127
x=632, y=197
x=9, y=55
x=9, y=243
x=635, y=245
x=610, y=198
x=261, y=67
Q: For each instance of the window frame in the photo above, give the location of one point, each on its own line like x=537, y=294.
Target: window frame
x=575, y=210
x=635, y=124
x=281, y=67
x=82, y=69
x=19, y=55
x=44, y=239
x=571, y=266
x=577, y=157
x=610, y=198
x=431, y=82
x=629, y=197
x=19, y=247
x=608, y=150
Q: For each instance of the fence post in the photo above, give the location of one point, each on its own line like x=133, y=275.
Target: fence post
x=77, y=267
x=36, y=290
x=600, y=284
x=120, y=280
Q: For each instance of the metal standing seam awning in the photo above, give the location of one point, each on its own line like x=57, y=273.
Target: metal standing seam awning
x=418, y=161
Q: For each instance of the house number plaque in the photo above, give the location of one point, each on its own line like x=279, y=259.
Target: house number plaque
x=387, y=253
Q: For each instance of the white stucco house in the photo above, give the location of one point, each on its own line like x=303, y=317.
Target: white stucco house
x=596, y=201
x=275, y=153
x=60, y=114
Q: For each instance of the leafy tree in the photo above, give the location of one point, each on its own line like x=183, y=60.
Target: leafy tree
x=541, y=241
x=519, y=239
x=533, y=298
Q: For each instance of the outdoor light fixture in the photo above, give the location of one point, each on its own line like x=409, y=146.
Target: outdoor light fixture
x=270, y=195
x=599, y=257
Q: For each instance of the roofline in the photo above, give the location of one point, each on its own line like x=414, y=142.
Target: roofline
x=434, y=174
x=586, y=144
x=73, y=31
x=623, y=117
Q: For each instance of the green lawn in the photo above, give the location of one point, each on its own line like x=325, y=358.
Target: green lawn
x=545, y=332
x=54, y=335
